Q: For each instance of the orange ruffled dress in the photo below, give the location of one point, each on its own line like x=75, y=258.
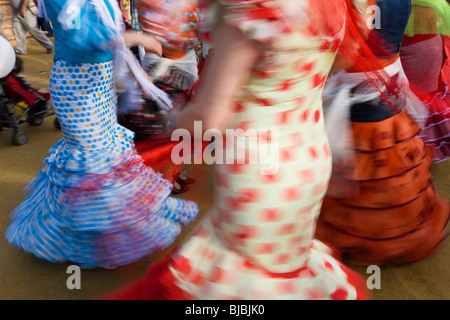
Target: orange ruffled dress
x=383, y=209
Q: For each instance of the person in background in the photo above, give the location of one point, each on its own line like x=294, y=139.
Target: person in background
x=23, y=20
x=174, y=24
x=381, y=207
x=135, y=24
x=43, y=22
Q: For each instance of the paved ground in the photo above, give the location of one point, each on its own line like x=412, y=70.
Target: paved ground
x=23, y=276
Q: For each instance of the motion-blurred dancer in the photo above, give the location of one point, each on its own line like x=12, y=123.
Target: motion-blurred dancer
x=270, y=62
x=95, y=203
x=23, y=21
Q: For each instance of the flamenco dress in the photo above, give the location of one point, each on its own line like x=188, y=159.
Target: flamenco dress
x=381, y=206
x=257, y=241
x=425, y=58
x=174, y=24
x=95, y=203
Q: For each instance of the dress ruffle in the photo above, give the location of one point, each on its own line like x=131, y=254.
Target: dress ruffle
x=107, y=221
x=437, y=132
x=173, y=23
x=220, y=273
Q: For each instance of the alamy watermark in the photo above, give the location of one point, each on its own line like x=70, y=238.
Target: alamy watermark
x=73, y=17
x=236, y=146
x=374, y=280
x=73, y=281
x=374, y=19
x=73, y=13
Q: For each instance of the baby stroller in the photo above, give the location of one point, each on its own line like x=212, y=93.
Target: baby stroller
x=14, y=112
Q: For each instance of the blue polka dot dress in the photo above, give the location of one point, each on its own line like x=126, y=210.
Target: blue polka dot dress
x=95, y=203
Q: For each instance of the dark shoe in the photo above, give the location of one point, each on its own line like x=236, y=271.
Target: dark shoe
x=49, y=51
x=179, y=189
x=186, y=181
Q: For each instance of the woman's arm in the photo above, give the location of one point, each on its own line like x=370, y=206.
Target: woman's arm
x=133, y=38
x=225, y=73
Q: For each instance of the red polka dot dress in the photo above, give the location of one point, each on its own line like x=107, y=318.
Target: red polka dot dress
x=257, y=240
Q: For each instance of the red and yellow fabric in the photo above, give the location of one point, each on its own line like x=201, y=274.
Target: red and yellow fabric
x=257, y=241
x=174, y=23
